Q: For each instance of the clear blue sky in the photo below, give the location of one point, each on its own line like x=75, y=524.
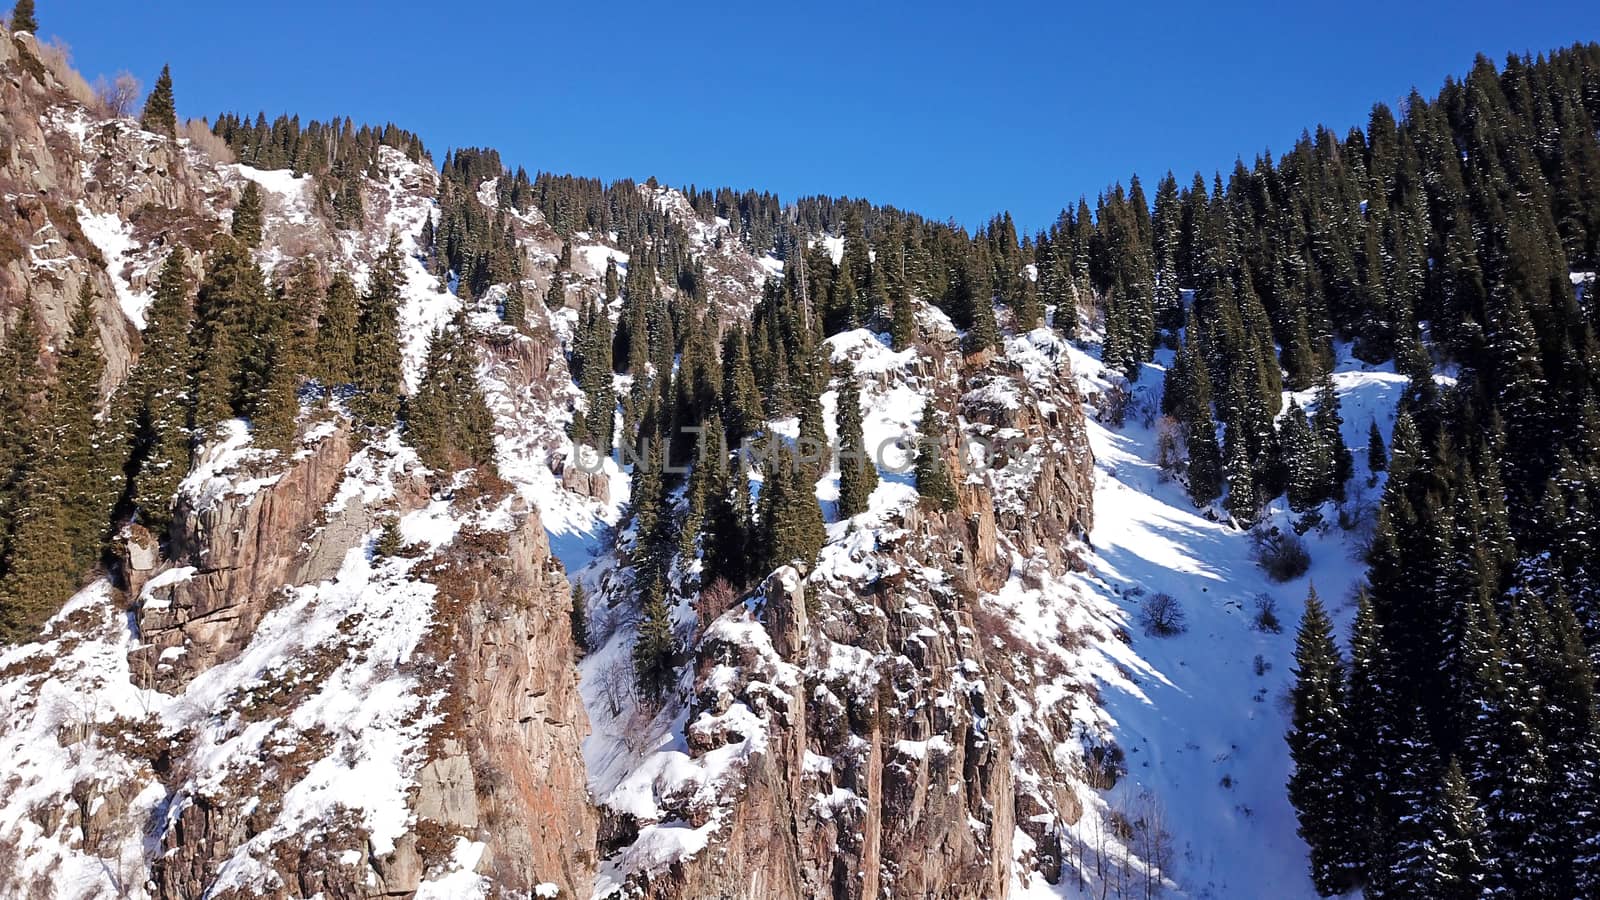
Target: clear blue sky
x=951, y=110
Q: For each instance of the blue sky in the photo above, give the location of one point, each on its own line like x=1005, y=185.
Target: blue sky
x=952, y=110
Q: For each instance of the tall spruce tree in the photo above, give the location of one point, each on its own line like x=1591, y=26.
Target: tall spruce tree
x=858, y=471
x=932, y=477
x=448, y=420
x=22, y=17
x=247, y=216
x=160, y=110
x=377, y=361
x=1320, y=787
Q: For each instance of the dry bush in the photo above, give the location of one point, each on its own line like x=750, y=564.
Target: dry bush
x=1266, y=617
x=1161, y=615
x=57, y=57
x=118, y=97
x=201, y=138
x=1281, y=554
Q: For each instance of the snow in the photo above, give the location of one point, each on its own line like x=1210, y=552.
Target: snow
x=114, y=238
x=1200, y=715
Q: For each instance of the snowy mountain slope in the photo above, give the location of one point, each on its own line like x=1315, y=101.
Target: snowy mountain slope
x=1199, y=717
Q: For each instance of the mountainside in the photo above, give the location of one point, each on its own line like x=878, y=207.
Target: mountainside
x=372, y=526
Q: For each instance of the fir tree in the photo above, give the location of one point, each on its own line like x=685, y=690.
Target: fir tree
x=932, y=477
x=247, y=216
x=377, y=360
x=158, y=397
x=514, y=312
x=1377, y=456
x=903, y=318
x=858, y=473
x=448, y=421
x=160, y=111
x=1241, y=501
x=1329, y=426
x=337, y=339
x=22, y=18
x=655, y=646
x=78, y=464
x=1320, y=787
x=741, y=399
x=579, y=618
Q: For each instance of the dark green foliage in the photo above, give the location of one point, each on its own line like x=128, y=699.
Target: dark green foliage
x=655, y=646
x=377, y=361
x=447, y=420
x=160, y=111
x=22, y=18
x=903, y=321
x=858, y=470
x=514, y=311
x=579, y=619
x=791, y=521
x=337, y=338
x=1318, y=787
x=932, y=475
x=247, y=216
x=157, y=398
x=389, y=543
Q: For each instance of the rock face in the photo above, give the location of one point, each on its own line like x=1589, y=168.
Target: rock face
x=871, y=699
x=233, y=551
x=512, y=768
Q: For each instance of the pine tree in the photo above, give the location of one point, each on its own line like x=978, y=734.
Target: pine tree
x=1377, y=456
x=377, y=361
x=932, y=477
x=515, y=310
x=579, y=618
x=160, y=111
x=79, y=465
x=448, y=420
x=1320, y=787
x=1308, y=464
x=1241, y=501
x=247, y=216
x=741, y=399
x=336, y=332
x=903, y=322
x=791, y=520
x=1329, y=426
x=556, y=296
x=158, y=398
x=22, y=18
x=858, y=472
x=655, y=646
x=21, y=396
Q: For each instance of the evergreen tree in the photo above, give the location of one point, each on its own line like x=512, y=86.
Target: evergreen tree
x=377, y=360
x=903, y=321
x=160, y=111
x=1241, y=501
x=579, y=617
x=1377, y=456
x=932, y=477
x=158, y=397
x=448, y=420
x=514, y=312
x=858, y=472
x=1320, y=787
x=22, y=18
x=21, y=396
x=80, y=468
x=1308, y=463
x=247, y=216
x=791, y=520
x=741, y=399
x=1329, y=426
x=337, y=339
x=655, y=646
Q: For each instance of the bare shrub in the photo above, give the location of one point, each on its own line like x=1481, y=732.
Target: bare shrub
x=201, y=138
x=118, y=97
x=1266, y=617
x=1281, y=554
x=1161, y=615
x=57, y=57
x=1111, y=405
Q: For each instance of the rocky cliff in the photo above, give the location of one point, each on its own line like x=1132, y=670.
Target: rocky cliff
x=276, y=706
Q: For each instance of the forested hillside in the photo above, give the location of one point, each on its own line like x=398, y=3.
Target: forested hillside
x=391, y=475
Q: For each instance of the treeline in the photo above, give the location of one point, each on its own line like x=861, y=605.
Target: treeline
x=338, y=152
